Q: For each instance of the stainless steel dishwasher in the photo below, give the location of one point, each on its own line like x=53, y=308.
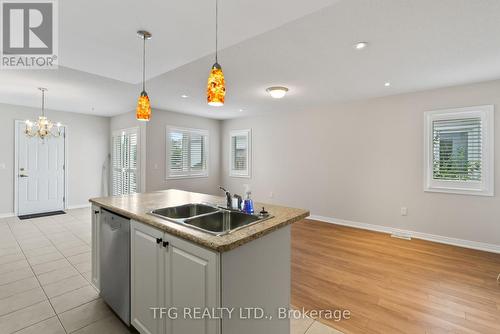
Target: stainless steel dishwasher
x=115, y=263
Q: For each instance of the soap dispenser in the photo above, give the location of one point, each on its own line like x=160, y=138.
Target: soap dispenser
x=248, y=205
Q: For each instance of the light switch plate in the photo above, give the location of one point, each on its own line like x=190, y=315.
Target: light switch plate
x=404, y=211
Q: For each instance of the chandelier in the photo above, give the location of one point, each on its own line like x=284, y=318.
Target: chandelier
x=43, y=127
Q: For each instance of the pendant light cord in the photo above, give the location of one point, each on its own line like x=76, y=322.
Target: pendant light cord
x=144, y=64
x=43, y=103
x=216, y=29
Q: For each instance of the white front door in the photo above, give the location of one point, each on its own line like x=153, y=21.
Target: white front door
x=40, y=186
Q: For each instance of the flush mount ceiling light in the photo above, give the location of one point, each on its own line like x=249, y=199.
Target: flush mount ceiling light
x=216, y=85
x=360, y=45
x=387, y=84
x=143, y=111
x=277, y=92
x=184, y=96
x=43, y=127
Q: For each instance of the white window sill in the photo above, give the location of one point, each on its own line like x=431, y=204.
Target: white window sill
x=473, y=192
x=245, y=176
x=181, y=177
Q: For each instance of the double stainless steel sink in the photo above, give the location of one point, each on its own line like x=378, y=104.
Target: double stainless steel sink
x=209, y=218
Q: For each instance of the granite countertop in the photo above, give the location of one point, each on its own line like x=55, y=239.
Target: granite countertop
x=137, y=206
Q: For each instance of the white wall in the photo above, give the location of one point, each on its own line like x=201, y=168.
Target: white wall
x=87, y=138
x=154, y=132
x=156, y=153
x=362, y=161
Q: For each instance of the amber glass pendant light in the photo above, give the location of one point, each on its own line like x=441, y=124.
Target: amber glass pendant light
x=216, y=86
x=143, y=111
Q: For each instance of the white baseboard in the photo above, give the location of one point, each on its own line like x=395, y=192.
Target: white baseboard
x=7, y=215
x=80, y=206
x=492, y=248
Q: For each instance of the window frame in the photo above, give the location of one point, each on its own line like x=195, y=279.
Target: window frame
x=485, y=187
x=191, y=175
x=238, y=173
x=120, y=132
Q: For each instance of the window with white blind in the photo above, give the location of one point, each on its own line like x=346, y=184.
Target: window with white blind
x=459, y=150
x=125, y=161
x=187, y=152
x=240, y=154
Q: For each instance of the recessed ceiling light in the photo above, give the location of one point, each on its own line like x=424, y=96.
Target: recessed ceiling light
x=387, y=84
x=241, y=109
x=184, y=96
x=360, y=45
x=277, y=92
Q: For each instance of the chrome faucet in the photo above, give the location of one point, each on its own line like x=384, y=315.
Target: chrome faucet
x=228, y=197
x=229, y=202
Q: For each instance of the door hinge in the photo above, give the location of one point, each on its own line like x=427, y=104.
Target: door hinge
x=64, y=198
x=64, y=167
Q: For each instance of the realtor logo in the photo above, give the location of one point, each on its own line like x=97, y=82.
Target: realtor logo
x=29, y=34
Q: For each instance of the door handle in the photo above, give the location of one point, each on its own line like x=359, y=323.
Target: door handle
x=23, y=175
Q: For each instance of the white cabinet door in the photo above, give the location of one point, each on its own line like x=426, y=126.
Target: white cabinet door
x=96, y=214
x=192, y=281
x=147, y=280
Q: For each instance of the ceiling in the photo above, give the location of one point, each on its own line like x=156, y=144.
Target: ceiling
x=304, y=45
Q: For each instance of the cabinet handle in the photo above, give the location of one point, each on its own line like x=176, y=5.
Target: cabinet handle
x=158, y=240
x=96, y=211
x=165, y=244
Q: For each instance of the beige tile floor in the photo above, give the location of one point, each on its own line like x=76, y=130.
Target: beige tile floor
x=45, y=280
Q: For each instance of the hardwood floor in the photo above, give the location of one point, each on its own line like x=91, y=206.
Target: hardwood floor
x=392, y=285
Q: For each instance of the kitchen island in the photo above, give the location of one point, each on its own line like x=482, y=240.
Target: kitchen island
x=184, y=280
